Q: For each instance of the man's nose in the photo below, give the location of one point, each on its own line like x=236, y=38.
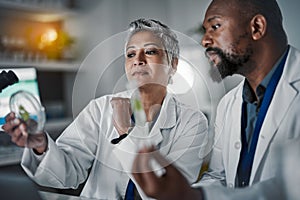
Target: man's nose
x=206, y=40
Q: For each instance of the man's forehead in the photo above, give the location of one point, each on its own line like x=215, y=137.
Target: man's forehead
x=220, y=9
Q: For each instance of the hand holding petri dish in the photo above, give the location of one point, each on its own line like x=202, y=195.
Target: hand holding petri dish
x=28, y=109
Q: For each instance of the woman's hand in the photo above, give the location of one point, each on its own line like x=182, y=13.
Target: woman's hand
x=18, y=131
x=121, y=114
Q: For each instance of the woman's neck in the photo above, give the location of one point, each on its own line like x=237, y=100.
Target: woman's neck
x=152, y=98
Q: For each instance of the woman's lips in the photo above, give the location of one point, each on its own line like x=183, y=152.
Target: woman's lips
x=139, y=73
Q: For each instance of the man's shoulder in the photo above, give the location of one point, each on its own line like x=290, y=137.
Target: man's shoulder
x=292, y=70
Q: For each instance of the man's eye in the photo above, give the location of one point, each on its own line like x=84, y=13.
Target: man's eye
x=216, y=26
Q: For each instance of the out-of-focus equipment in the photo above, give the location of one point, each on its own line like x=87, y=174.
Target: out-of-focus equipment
x=7, y=78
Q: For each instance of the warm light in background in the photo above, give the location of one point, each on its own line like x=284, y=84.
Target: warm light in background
x=48, y=38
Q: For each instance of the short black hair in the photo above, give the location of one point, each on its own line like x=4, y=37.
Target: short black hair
x=268, y=8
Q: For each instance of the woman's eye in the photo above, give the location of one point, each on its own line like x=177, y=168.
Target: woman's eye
x=216, y=26
x=151, y=52
x=130, y=55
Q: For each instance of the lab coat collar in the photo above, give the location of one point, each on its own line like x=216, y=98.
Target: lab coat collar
x=165, y=120
x=167, y=116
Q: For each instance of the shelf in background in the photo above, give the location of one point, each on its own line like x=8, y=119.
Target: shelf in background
x=46, y=11
x=44, y=66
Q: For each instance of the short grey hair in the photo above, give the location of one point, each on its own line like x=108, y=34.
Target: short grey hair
x=162, y=31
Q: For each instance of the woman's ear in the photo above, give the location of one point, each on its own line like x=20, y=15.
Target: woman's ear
x=174, y=65
x=258, y=26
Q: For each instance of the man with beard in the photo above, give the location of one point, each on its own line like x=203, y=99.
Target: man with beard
x=253, y=120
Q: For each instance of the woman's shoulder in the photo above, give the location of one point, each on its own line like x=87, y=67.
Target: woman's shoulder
x=184, y=108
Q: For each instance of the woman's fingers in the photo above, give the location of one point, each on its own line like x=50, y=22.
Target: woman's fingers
x=10, y=116
x=20, y=135
x=16, y=129
x=121, y=114
x=10, y=125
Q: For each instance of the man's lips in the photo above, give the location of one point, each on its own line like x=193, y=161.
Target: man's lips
x=212, y=56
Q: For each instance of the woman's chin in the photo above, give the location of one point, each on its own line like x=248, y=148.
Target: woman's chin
x=143, y=82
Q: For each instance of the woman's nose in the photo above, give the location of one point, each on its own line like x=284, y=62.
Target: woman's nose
x=139, y=59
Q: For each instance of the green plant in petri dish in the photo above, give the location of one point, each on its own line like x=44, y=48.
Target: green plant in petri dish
x=24, y=114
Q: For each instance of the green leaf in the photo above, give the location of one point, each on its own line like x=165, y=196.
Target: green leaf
x=23, y=113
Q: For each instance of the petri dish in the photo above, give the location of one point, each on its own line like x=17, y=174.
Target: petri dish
x=29, y=109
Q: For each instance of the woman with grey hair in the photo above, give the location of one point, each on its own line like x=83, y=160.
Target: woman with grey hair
x=98, y=145
x=168, y=37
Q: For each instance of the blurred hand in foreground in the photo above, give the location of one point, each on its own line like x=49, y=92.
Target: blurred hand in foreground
x=171, y=185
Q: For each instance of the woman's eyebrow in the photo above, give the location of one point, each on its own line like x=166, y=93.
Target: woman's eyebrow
x=151, y=44
x=145, y=45
x=130, y=47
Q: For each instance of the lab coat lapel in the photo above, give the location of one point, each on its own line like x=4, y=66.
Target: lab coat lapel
x=235, y=137
x=166, y=119
x=284, y=95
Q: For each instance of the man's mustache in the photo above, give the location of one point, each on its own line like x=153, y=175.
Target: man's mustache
x=215, y=50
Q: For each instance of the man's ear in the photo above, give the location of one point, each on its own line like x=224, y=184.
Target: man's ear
x=258, y=26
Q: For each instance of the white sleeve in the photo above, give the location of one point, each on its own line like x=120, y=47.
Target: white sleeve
x=67, y=161
x=269, y=189
x=30, y=161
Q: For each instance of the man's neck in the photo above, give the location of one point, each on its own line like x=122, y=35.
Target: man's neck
x=257, y=75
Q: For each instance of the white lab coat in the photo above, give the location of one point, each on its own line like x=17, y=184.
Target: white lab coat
x=281, y=124
x=179, y=133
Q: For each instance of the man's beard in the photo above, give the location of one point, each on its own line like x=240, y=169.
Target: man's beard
x=230, y=63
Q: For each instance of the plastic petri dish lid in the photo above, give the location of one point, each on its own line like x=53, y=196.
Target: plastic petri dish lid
x=27, y=108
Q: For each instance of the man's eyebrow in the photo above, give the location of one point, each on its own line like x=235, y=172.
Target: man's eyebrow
x=213, y=18
x=202, y=28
